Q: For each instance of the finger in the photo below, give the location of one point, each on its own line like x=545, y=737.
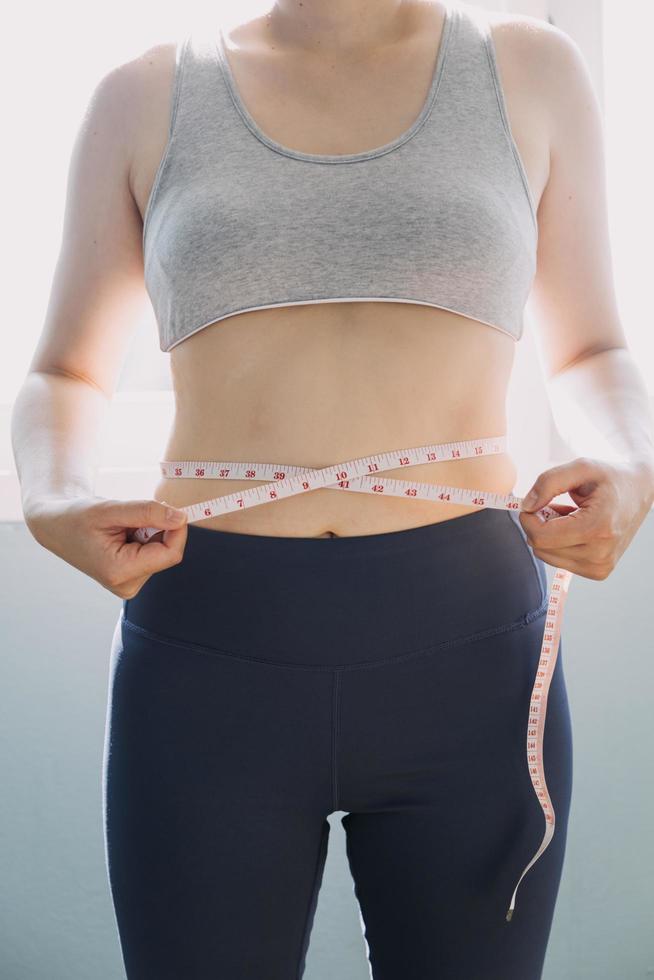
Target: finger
x=142, y=513
x=575, y=477
x=154, y=556
x=562, y=509
x=175, y=538
x=568, y=530
x=168, y=536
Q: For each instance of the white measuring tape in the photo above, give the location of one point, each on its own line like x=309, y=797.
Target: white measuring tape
x=360, y=475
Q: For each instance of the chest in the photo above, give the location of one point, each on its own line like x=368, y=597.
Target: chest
x=400, y=181
x=318, y=106
x=313, y=105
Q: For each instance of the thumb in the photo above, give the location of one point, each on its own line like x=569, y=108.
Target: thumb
x=574, y=475
x=150, y=513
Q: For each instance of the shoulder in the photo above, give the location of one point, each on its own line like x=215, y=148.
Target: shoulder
x=547, y=52
x=532, y=38
x=546, y=62
x=126, y=117
x=121, y=97
x=131, y=86
x=150, y=72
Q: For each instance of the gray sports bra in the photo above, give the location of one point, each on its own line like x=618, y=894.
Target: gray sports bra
x=442, y=215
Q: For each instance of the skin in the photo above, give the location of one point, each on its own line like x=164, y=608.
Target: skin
x=342, y=77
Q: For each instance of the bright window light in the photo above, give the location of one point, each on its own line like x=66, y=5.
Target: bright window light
x=630, y=163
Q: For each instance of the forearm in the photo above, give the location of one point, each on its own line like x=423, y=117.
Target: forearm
x=55, y=430
x=601, y=407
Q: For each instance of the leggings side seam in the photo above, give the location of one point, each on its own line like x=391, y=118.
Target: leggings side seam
x=335, y=722
x=515, y=520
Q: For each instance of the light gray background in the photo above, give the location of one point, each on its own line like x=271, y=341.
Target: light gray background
x=56, y=918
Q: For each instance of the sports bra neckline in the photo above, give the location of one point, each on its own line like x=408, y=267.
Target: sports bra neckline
x=234, y=223
x=393, y=144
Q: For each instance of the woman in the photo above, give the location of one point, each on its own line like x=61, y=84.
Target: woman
x=337, y=212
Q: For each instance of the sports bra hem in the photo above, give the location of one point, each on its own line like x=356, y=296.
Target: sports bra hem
x=338, y=299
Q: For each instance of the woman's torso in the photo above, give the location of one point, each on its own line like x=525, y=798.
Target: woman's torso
x=317, y=384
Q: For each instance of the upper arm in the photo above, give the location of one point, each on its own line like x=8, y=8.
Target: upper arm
x=573, y=295
x=97, y=291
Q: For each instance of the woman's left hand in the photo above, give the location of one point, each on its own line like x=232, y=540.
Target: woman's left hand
x=612, y=502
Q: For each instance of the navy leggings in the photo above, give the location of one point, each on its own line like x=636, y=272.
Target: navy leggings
x=266, y=682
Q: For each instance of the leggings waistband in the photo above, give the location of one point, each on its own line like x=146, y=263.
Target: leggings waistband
x=345, y=601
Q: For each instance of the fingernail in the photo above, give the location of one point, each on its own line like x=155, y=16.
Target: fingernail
x=174, y=515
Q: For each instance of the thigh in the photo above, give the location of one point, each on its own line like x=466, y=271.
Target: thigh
x=445, y=818
x=215, y=800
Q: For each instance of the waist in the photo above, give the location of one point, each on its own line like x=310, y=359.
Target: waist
x=328, y=512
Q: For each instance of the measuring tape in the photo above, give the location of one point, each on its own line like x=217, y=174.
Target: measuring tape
x=360, y=475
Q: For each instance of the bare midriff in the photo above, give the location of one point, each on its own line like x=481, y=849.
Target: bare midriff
x=319, y=384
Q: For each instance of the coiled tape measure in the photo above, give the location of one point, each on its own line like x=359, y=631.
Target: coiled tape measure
x=361, y=476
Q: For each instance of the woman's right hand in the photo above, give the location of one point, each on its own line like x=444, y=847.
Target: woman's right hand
x=94, y=535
